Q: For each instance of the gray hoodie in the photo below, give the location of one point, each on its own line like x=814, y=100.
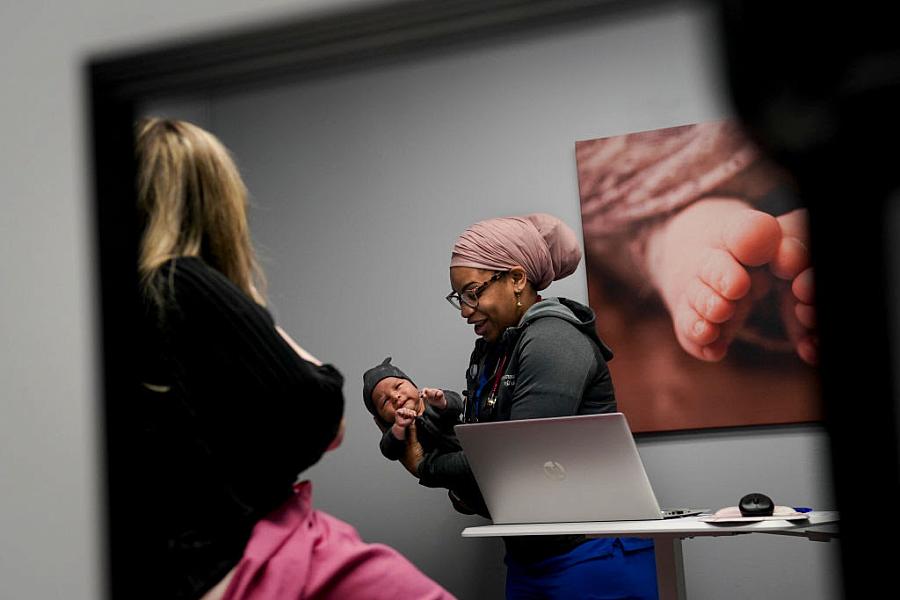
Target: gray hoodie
x=555, y=366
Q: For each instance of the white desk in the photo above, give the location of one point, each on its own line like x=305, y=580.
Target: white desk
x=667, y=535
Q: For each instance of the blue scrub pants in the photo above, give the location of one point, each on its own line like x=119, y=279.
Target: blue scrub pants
x=597, y=569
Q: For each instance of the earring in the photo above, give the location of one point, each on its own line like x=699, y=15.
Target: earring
x=518, y=300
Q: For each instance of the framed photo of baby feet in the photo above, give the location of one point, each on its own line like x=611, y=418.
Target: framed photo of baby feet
x=699, y=270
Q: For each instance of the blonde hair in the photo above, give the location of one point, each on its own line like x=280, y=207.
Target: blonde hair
x=191, y=202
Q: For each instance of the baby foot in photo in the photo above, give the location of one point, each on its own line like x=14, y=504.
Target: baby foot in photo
x=792, y=263
x=702, y=262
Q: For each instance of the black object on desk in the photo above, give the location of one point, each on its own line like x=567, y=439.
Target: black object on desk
x=755, y=504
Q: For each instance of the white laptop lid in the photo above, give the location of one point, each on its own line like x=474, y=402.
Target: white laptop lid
x=560, y=469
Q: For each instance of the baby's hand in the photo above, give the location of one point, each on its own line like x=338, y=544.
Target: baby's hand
x=404, y=417
x=434, y=397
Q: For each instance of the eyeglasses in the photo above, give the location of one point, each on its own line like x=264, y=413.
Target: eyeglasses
x=470, y=297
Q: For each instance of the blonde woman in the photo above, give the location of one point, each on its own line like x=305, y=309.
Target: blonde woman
x=231, y=409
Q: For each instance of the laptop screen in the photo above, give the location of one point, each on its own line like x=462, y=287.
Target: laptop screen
x=559, y=469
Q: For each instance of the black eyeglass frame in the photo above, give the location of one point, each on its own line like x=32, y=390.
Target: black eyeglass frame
x=457, y=299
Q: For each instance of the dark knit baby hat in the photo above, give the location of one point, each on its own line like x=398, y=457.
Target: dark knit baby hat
x=376, y=374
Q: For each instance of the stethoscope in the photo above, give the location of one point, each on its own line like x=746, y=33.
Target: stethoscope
x=491, y=399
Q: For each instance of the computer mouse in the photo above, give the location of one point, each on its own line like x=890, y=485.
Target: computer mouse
x=755, y=504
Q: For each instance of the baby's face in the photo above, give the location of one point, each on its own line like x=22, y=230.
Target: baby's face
x=392, y=393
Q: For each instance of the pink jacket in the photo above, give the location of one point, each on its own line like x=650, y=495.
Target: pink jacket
x=300, y=552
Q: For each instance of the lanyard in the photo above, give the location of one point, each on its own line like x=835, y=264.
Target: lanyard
x=492, y=396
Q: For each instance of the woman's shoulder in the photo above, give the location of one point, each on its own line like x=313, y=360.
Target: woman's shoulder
x=571, y=325
x=553, y=316
x=554, y=331
x=186, y=269
x=192, y=274
x=550, y=338
x=197, y=287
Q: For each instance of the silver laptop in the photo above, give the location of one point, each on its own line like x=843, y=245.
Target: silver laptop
x=561, y=469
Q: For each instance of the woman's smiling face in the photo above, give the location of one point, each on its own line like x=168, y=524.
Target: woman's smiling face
x=496, y=308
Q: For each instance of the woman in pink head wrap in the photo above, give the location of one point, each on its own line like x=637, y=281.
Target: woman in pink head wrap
x=535, y=357
x=534, y=250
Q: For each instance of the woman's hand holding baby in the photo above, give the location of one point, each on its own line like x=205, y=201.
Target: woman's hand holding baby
x=414, y=452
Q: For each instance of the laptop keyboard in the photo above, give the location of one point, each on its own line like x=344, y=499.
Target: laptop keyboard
x=675, y=513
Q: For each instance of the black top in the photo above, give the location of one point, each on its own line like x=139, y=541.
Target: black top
x=228, y=416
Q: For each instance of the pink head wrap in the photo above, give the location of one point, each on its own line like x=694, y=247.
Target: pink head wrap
x=540, y=243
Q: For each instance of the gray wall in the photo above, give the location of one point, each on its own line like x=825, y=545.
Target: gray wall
x=360, y=184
